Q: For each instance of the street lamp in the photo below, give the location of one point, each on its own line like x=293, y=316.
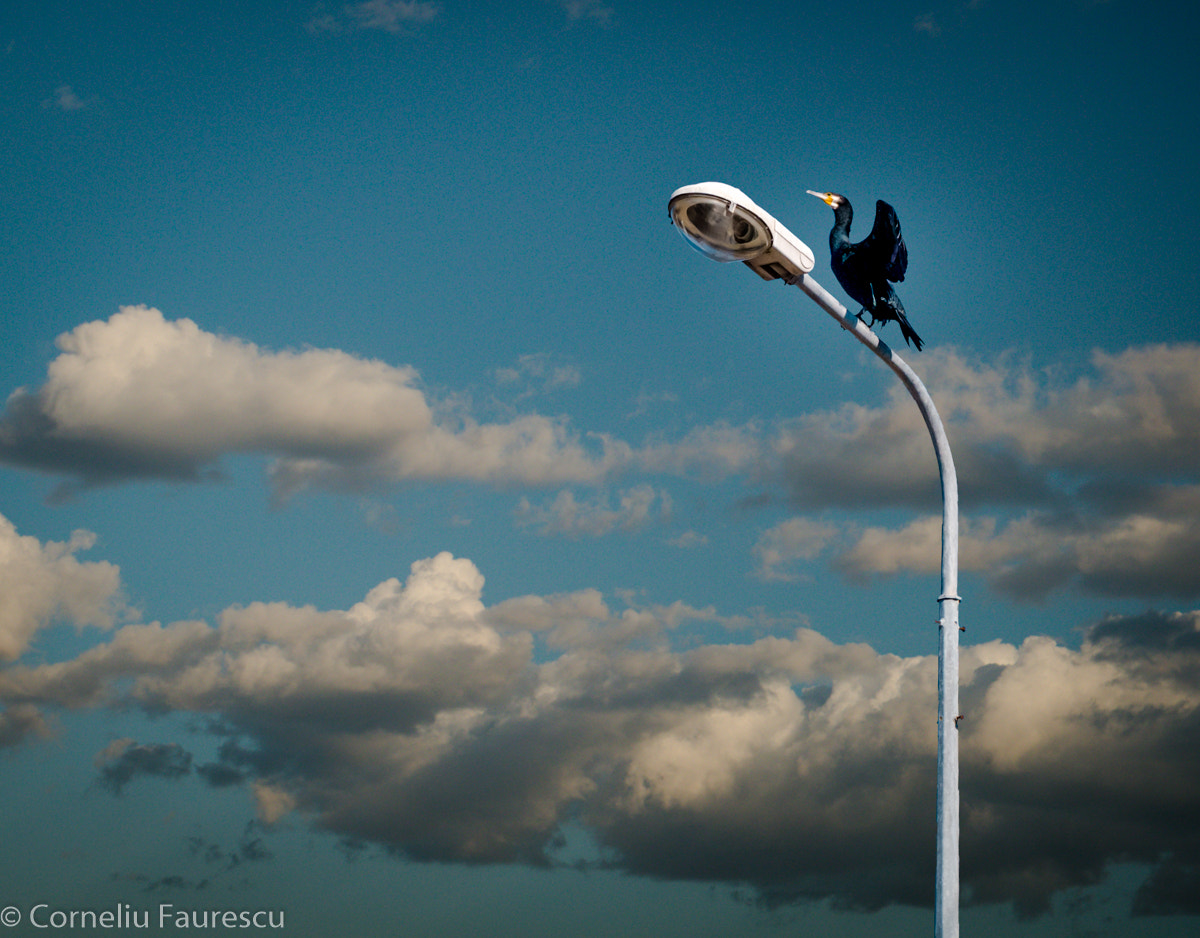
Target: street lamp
x=725, y=224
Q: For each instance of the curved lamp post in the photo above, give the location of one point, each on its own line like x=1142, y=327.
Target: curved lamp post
x=725, y=224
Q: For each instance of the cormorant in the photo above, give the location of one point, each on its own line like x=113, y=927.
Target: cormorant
x=864, y=269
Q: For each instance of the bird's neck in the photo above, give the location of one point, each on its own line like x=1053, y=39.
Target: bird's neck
x=839, y=236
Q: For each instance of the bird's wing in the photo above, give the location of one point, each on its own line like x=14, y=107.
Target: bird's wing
x=885, y=243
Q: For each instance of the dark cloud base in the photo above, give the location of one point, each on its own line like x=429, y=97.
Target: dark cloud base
x=797, y=768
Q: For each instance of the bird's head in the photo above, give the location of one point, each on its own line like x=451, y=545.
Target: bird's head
x=832, y=199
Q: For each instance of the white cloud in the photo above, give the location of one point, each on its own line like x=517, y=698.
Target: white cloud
x=41, y=583
x=138, y=395
x=141, y=396
x=701, y=757
x=391, y=16
x=323, y=23
x=202, y=394
x=646, y=400
x=1141, y=412
x=409, y=649
x=569, y=613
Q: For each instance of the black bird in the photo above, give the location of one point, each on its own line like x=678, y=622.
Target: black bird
x=864, y=269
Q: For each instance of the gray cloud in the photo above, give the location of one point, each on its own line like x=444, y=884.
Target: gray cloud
x=1085, y=757
x=1172, y=889
x=1011, y=427
x=219, y=775
x=124, y=759
x=422, y=720
x=19, y=722
x=1153, y=632
x=1147, y=552
x=1103, y=469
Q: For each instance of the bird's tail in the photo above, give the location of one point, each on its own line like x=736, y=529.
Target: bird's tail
x=895, y=310
x=910, y=334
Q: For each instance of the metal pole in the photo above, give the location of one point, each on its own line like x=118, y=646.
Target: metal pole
x=946, y=900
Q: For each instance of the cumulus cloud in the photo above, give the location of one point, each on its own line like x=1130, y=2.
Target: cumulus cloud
x=391, y=662
x=425, y=721
x=1097, y=749
x=42, y=583
x=141, y=396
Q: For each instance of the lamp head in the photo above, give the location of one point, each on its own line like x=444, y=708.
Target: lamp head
x=724, y=223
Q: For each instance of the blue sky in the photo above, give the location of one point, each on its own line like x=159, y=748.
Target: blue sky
x=401, y=528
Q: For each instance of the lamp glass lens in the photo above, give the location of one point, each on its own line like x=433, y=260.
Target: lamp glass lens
x=722, y=231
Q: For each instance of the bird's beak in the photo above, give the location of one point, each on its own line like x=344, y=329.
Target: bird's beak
x=826, y=197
